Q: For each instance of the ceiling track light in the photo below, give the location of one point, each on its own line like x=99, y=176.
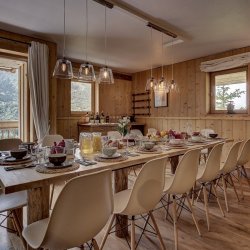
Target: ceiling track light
x=105, y=3
x=162, y=30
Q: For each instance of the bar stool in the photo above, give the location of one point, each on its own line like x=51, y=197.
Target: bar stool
x=181, y=183
x=206, y=176
x=142, y=198
x=81, y=211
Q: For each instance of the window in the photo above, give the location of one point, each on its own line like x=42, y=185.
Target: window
x=229, y=86
x=81, y=97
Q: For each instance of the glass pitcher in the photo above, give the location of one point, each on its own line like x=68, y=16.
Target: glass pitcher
x=86, y=143
x=97, y=142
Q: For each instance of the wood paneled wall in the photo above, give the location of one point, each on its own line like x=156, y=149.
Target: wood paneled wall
x=191, y=103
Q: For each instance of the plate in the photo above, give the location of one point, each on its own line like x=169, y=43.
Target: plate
x=12, y=159
x=116, y=155
x=63, y=165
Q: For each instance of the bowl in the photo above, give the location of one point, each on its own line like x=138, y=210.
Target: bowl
x=18, y=153
x=176, y=141
x=148, y=145
x=213, y=135
x=57, y=159
x=109, y=151
x=196, y=138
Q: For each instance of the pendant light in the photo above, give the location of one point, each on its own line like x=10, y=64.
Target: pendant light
x=63, y=68
x=86, y=71
x=173, y=86
x=106, y=74
x=151, y=82
x=162, y=85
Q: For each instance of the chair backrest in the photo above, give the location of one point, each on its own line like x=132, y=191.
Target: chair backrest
x=8, y=144
x=81, y=211
x=152, y=131
x=244, y=154
x=49, y=140
x=185, y=174
x=212, y=166
x=205, y=132
x=148, y=187
x=114, y=135
x=136, y=132
x=231, y=160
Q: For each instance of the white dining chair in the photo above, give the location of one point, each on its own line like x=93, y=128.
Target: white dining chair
x=205, y=133
x=152, y=131
x=181, y=183
x=49, y=140
x=136, y=132
x=142, y=198
x=226, y=170
x=81, y=211
x=243, y=159
x=115, y=135
x=9, y=203
x=206, y=176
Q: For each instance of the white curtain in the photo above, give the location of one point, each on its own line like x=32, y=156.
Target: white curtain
x=38, y=76
x=226, y=63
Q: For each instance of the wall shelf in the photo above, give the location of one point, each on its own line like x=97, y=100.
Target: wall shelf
x=146, y=101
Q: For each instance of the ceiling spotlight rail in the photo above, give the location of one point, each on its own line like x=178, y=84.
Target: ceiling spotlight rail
x=162, y=30
x=105, y=3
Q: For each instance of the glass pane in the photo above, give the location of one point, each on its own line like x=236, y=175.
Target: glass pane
x=8, y=95
x=231, y=87
x=80, y=96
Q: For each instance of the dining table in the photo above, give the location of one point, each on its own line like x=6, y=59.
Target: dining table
x=38, y=184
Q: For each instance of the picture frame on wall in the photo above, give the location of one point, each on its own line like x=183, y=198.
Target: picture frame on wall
x=160, y=99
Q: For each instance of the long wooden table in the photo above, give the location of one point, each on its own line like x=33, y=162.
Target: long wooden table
x=37, y=184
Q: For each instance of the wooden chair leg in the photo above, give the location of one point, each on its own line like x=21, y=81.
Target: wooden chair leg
x=198, y=195
x=240, y=182
x=157, y=230
x=95, y=245
x=206, y=206
x=234, y=188
x=225, y=191
x=175, y=223
x=193, y=215
x=217, y=199
x=133, y=244
x=51, y=196
x=18, y=227
x=107, y=231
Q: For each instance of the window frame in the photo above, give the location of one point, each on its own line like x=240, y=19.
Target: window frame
x=79, y=113
x=212, y=90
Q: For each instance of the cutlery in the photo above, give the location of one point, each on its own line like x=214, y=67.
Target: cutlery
x=31, y=165
x=85, y=162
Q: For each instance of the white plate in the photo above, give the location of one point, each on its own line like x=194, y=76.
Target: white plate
x=116, y=155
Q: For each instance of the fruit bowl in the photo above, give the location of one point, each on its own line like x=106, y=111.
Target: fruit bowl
x=213, y=135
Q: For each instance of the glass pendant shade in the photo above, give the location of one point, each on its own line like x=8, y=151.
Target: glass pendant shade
x=151, y=84
x=162, y=86
x=63, y=69
x=173, y=86
x=106, y=76
x=86, y=72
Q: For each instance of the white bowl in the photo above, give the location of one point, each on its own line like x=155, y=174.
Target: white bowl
x=109, y=151
x=196, y=138
x=176, y=141
x=148, y=145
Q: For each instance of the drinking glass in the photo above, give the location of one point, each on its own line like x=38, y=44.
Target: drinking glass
x=86, y=143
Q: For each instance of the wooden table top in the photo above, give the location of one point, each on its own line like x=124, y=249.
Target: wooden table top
x=23, y=179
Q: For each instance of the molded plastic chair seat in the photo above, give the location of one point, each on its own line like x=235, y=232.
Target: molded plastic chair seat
x=81, y=211
x=49, y=140
x=35, y=232
x=201, y=170
x=12, y=201
x=121, y=200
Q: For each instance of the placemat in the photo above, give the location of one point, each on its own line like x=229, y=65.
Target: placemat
x=121, y=158
x=43, y=169
x=10, y=163
x=145, y=151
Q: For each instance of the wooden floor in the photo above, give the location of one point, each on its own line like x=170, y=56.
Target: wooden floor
x=229, y=233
